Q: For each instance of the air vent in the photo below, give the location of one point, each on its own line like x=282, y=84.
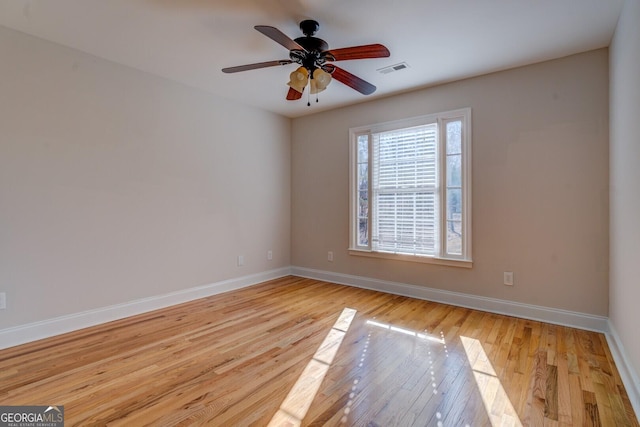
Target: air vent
x=392, y=68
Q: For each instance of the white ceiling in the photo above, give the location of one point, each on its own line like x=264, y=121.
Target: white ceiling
x=189, y=41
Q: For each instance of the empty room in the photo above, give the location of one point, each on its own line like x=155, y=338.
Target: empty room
x=296, y=213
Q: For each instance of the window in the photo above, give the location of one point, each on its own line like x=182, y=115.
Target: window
x=411, y=189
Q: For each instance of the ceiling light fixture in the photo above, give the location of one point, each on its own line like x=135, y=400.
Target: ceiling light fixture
x=314, y=59
x=317, y=79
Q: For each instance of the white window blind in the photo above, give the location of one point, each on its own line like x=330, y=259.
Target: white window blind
x=404, y=191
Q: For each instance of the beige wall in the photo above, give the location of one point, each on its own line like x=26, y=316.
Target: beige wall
x=116, y=185
x=625, y=181
x=540, y=185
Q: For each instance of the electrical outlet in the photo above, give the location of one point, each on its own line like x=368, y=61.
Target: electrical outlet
x=240, y=260
x=508, y=278
x=330, y=256
x=3, y=300
x=269, y=255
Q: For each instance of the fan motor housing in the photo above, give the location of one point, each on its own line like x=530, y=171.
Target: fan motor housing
x=312, y=56
x=312, y=44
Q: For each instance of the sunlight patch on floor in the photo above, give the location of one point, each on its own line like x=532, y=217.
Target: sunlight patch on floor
x=496, y=402
x=406, y=331
x=297, y=403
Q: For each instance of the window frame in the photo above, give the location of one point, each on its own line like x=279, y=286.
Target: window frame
x=441, y=119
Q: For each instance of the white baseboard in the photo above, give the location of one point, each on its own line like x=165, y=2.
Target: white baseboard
x=47, y=328
x=492, y=305
x=627, y=373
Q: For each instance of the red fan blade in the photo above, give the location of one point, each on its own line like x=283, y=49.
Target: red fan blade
x=256, y=65
x=349, y=79
x=358, y=52
x=293, y=94
x=279, y=37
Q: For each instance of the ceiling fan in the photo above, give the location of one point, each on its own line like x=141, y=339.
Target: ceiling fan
x=314, y=57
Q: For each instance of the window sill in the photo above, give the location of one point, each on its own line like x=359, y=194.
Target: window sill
x=413, y=258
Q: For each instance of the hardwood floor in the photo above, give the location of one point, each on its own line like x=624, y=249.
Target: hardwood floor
x=298, y=351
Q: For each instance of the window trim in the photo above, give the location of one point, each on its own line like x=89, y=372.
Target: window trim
x=463, y=260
